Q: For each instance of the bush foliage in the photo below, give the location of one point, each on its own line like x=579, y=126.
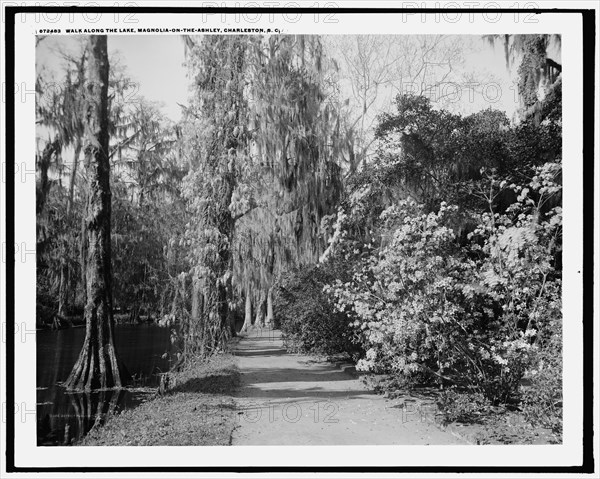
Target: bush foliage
x=466, y=295
x=307, y=319
x=468, y=315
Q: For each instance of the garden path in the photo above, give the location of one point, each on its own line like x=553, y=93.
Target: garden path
x=293, y=399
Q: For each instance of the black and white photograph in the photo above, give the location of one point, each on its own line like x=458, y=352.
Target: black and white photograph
x=280, y=230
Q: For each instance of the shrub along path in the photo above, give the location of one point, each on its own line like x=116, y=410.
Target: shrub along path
x=290, y=399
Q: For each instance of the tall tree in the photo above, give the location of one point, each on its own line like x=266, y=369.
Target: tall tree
x=216, y=142
x=295, y=156
x=97, y=367
x=263, y=145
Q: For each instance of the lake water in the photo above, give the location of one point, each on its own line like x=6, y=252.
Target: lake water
x=64, y=417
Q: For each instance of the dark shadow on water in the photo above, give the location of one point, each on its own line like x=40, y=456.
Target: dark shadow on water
x=63, y=416
x=62, y=423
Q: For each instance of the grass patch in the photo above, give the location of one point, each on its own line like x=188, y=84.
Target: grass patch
x=198, y=410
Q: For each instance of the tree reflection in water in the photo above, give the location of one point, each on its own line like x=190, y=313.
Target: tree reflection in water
x=83, y=411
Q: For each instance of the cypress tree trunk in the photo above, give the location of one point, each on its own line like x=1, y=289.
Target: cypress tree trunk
x=63, y=289
x=269, y=319
x=83, y=260
x=261, y=309
x=196, y=300
x=248, y=315
x=73, y=176
x=196, y=328
x=96, y=367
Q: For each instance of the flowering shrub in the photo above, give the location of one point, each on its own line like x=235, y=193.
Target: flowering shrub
x=468, y=315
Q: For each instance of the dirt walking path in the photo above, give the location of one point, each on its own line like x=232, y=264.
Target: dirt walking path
x=290, y=399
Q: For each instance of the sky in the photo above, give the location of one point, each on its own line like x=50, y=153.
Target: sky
x=490, y=61
x=157, y=62
x=156, y=65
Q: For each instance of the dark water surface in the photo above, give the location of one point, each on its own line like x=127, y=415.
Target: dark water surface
x=63, y=417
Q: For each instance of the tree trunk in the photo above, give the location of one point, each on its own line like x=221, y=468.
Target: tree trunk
x=83, y=260
x=97, y=367
x=224, y=314
x=196, y=327
x=230, y=312
x=248, y=315
x=196, y=299
x=269, y=319
x=261, y=308
x=63, y=289
x=73, y=176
